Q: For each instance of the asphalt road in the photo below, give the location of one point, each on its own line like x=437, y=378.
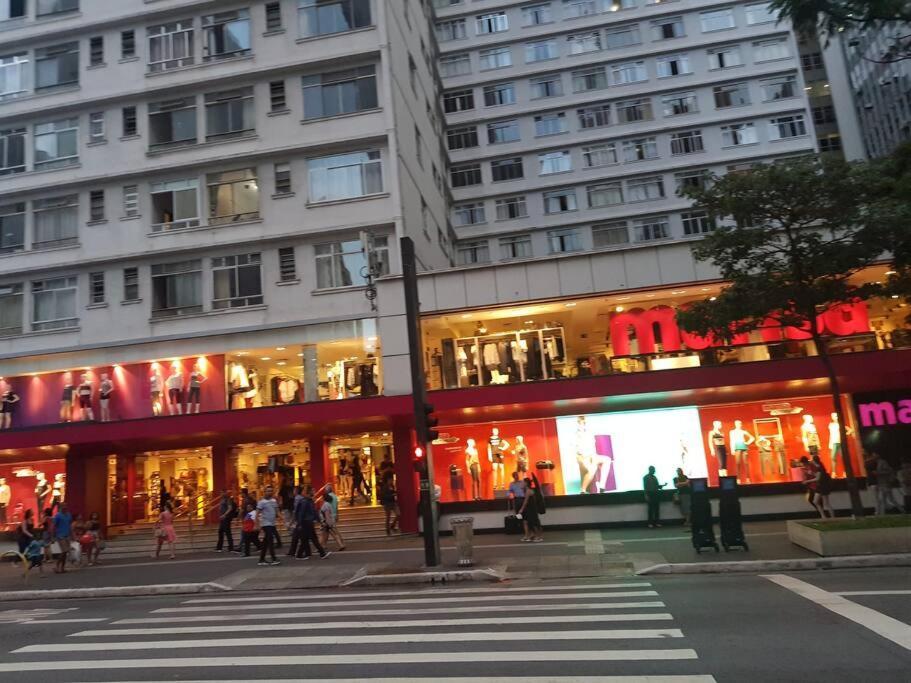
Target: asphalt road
x=810, y=626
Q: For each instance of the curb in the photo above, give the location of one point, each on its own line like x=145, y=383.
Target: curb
x=450, y=576
x=746, y=566
x=113, y=591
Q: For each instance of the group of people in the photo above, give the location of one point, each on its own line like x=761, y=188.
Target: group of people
x=60, y=537
x=883, y=478
x=818, y=481
x=527, y=501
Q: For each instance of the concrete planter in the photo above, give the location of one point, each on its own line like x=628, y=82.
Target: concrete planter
x=839, y=542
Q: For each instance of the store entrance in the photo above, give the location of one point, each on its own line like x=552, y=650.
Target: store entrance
x=368, y=452
x=280, y=464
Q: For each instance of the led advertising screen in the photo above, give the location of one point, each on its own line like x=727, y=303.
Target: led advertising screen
x=606, y=452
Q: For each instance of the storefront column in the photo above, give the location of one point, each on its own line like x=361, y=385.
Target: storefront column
x=221, y=469
x=319, y=462
x=75, y=482
x=406, y=479
x=311, y=374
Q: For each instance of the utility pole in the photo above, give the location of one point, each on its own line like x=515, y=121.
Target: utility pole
x=424, y=421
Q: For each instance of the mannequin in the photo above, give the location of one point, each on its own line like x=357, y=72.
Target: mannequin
x=5, y=495
x=496, y=445
x=67, y=398
x=740, y=440
x=521, y=451
x=155, y=392
x=174, y=385
x=8, y=402
x=84, y=392
x=809, y=436
x=835, y=440
x=715, y=439
x=105, y=389
x=58, y=490
x=196, y=380
x=473, y=465
x=42, y=488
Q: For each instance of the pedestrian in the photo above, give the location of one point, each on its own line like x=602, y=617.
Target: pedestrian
x=358, y=483
x=227, y=512
x=327, y=520
x=904, y=480
x=25, y=534
x=387, y=468
x=63, y=525
x=286, y=495
x=682, y=495
x=885, y=481
x=47, y=533
x=528, y=513
x=305, y=516
x=77, y=532
x=811, y=482
x=267, y=514
x=93, y=527
x=652, y=497
x=823, y=487
x=249, y=535
x=164, y=531
x=295, y=535
x=390, y=506
x=516, y=491
x=163, y=496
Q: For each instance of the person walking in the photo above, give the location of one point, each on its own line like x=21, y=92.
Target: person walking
x=305, y=517
x=390, y=505
x=26, y=531
x=164, y=497
x=904, y=480
x=885, y=480
x=811, y=481
x=682, y=495
x=327, y=520
x=227, y=512
x=652, y=497
x=358, y=483
x=63, y=524
x=823, y=487
x=295, y=532
x=249, y=535
x=93, y=527
x=529, y=513
x=164, y=531
x=267, y=511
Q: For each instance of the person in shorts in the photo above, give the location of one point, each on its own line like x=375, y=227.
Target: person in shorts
x=63, y=526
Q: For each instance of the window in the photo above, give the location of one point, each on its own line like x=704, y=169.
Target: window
x=96, y=126
x=779, y=88
x=345, y=176
x=96, y=205
x=494, y=22
x=830, y=143
x=130, y=201
x=176, y=288
x=128, y=122
x=495, y=58
x=585, y=80
x=546, y=86
x=697, y=180
x=501, y=93
x=96, y=289
x=321, y=17
x=233, y=196
x=821, y=116
x=458, y=100
x=610, y=234
x=46, y=7
x=14, y=75
x=581, y=43
x=725, y=57
x=599, y=155
x=515, y=246
x=738, y=134
x=630, y=111
x=646, y=229
x=535, y=15
x=12, y=9
x=57, y=65
x=573, y=9
x=237, y=281
x=451, y=30
x=277, y=100
x=687, y=142
x=787, y=127
x=172, y=123
x=56, y=143
x=622, y=36
x=131, y=284
x=170, y=45
x=717, y=20
x=462, y=138
x=340, y=264
x=732, y=95
x=760, y=13
x=470, y=214
x=604, y=194
x=455, y=65
x=340, y=92
x=645, y=189
x=473, y=252
x=282, y=176
x=564, y=240
x=679, y=103
x=54, y=303
x=769, y=50
x=629, y=72
x=665, y=29
x=550, y=124
x=273, y=16
x=558, y=201
x=696, y=222
x=229, y=114
x=175, y=205
x=287, y=265
x=597, y=116
x=812, y=61
x=554, y=162
x=10, y=309
x=541, y=50
x=127, y=44
x=506, y=169
x=465, y=175
x=503, y=131
x=12, y=151
x=673, y=65
x=12, y=228
x=96, y=51
x=511, y=207
x=640, y=149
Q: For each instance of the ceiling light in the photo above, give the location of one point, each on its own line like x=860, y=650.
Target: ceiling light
x=895, y=296
x=891, y=272
x=571, y=304
x=300, y=355
x=466, y=315
x=619, y=309
x=279, y=348
x=712, y=298
x=281, y=362
x=265, y=358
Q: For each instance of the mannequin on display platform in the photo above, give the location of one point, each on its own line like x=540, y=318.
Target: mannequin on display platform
x=196, y=380
x=105, y=389
x=67, y=398
x=521, y=451
x=473, y=465
x=8, y=402
x=174, y=384
x=835, y=441
x=717, y=447
x=740, y=440
x=809, y=436
x=58, y=491
x=84, y=392
x=5, y=496
x=42, y=489
x=155, y=392
x=496, y=447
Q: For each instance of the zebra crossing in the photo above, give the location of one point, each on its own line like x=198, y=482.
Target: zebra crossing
x=617, y=632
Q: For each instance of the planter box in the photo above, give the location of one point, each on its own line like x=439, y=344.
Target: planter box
x=838, y=542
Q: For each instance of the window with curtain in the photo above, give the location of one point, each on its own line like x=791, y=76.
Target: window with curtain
x=10, y=309
x=54, y=303
x=604, y=194
x=56, y=221
x=176, y=288
x=340, y=92
x=345, y=176
x=170, y=45
x=554, y=162
x=14, y=75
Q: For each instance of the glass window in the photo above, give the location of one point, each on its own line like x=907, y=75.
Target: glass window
x=226, y=34
x=535, y=15
x=233, y=196
x=696, y=222
x=546, y=86
x=554, y=162
x=56, y=221
x=282, y=175
x=725, y=57
x=96, y=126
x=273, y=12
x=176, y=288
x=572, y=9
x=610, y=234
x=821, y=115
x=451, y=30
x=550, y=124
x=46, y=7
x=287, y=265
x=340, y=92
x=470, y=214
x=787, y=127
x=477, y=251
x=12, y=9
x=629, y=72
x=604, y=194
x=769, y=50
x=738, y=134
x=127, y=44
x=175, y=205
x=630, y=111
x=321, y=17
x=515, y=246
x=640, y=149
x=345, y=176
x=495, y=58
x=511, y=207
x=458, y=100
x=673, y=65
x=12, y=227
x=503, y=131
x=465, y=175
x=130, y=195
x=564, y=240
x=343, y=264
x=12, y=151
x=229, y=114
x=131, y=284
x=501, y=93
x=172, y=123
x=580, y=43
x=237, y=281
x=597, y=116
x=494, y=22
x=57, y=65
x=679, y=103
x=170, y=45
x=760, y=13
x=14, y=75
x=644, y=189
x=455, y=65
x=96, y=50
x=10, y=309
x=54, y=303
x=780, y=88
x=696, y=179
x=128, y=121
x=558, y=201
x=686, y=142
x=585, y=80
x=717, y=20
x=96, y=205
x=462, y=138
x=647, y=229
x=541, y=50
x=596, y=156
x=506, y=169
x=96, y=288
x=622, y=36
x=665, y=29
x=731, y=95
x=56, y=143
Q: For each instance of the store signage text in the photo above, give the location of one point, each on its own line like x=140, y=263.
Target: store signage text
x=842, y=320
x=880, y=413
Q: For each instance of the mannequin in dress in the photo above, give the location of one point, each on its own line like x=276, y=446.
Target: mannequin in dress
x=105, y=389
x=521, y=451
x=196, y=380
x=715, y=438
x=809, y=436
x=58, y=490
x=740, y=440
x=8, y=401
x=42, y=488
x=496, y=447
x=174, y=385
x=473, y=465
x=155, y=392
x=67, y=398
x=835, y=441
x=84, y=391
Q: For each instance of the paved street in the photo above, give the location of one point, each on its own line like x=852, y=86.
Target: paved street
x=694, y=628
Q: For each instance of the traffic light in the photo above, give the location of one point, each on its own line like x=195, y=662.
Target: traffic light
x=429, y=434
x=420, y=464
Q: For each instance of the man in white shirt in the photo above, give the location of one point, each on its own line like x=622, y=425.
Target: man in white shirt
x=267, y=510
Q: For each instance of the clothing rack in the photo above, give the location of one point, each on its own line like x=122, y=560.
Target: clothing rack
x=510, y=357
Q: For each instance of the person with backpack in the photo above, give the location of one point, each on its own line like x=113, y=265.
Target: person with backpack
x=305, y=517
x=227, y=512
x=327, y=520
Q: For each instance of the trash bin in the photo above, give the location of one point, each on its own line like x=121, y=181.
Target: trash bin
x=463, y=531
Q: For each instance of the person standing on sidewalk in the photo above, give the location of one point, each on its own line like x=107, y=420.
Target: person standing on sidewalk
x=305, y=517
x=528, y=513
x=267, y=512
x=652, y=497
x=227, y=512
x=682, y=495
x=388, y=501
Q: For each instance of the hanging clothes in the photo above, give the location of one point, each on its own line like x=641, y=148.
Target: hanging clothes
x=491, y=357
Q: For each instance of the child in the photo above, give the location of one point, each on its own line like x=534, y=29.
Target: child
x=34, y=553
x=249, y=533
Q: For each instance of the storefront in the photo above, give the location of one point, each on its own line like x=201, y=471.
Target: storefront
x=32, y=484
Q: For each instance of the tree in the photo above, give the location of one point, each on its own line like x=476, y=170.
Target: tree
x=797, y=232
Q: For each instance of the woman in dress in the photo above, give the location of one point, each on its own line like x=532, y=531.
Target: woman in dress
x=93, y=527
x=164, y=531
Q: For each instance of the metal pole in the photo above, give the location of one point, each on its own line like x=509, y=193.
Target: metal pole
x=418, y=392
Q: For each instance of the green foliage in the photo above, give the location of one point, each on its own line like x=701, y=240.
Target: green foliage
x=833, y=15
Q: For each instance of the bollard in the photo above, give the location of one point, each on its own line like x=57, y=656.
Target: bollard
x=463, y=531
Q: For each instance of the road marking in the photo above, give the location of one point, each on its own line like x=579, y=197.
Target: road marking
x=887, y=627
x=241, y=617
x=433, y=591
x=488, y=679
x=872, y=593
x=64, y=621
x=410, y=623
x=352, y=659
